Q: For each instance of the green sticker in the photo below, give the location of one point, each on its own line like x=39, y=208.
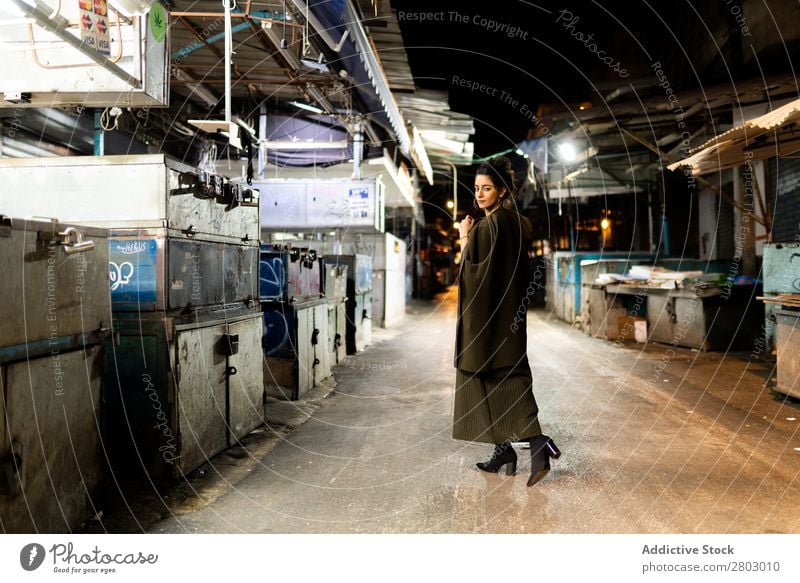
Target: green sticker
x=158, y=21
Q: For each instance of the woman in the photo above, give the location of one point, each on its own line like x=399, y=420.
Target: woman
x=494, y=401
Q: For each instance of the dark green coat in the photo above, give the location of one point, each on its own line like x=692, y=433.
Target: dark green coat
x=492, y=286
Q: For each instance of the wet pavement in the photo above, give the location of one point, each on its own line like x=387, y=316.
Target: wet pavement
x=652, y=442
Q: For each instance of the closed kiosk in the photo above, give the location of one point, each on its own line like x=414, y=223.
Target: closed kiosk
x=295, y=321
x=359, y=299
x=295, y=340
x=335, y=286
x=56, y=313
x=182, y=276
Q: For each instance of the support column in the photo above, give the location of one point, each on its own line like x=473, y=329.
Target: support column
x=744, y=226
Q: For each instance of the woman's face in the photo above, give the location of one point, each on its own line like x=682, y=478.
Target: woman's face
x=486, y=194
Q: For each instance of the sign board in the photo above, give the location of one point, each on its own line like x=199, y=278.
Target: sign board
x=58, y=74
x=94, y=25
x=308, y=205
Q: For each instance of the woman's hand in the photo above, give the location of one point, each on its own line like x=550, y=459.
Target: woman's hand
x=465, y=226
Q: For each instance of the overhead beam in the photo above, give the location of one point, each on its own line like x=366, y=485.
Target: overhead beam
x=703, y=182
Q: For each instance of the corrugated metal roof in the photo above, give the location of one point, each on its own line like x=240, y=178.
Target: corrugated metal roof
x=384, y=30
x=445, y=133
x=748, y=141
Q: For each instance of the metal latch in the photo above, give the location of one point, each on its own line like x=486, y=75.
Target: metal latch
x=71, y=240
x=229, y=344
x=250, y=196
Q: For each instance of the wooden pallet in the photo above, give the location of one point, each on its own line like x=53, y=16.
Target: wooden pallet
x=787, y=300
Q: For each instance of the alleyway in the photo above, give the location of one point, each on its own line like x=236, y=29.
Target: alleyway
x=651, y=445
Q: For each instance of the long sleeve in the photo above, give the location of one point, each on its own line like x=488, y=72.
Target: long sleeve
x=492, y=285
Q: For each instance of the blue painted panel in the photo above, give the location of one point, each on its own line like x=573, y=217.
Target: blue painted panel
x=273, y=275
x=280, y=330
x=132, y=268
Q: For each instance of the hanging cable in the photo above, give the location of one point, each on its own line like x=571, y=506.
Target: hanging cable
x=108, y=113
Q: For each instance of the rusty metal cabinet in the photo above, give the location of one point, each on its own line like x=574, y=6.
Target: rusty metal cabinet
x=787, y=324
x=55, y=315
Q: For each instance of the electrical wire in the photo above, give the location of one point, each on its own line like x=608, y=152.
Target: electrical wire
x=114, y=112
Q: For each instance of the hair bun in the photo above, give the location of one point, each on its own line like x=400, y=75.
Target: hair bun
x=501, y=172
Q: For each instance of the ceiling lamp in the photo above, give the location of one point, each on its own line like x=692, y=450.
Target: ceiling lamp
x=306, y=106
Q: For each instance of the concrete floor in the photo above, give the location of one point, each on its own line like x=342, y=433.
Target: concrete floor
x=690, y=444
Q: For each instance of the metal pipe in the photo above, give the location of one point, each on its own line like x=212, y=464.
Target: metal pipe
x=58, y=25
x=228, y=51
x=286, y=53
x=358, y=147
x=99, y=134
x=455, y=189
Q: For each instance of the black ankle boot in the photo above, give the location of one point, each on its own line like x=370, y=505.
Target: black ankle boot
x=542, y=449
x=504, y=455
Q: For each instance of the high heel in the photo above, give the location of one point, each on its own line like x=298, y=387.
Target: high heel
x=504, y=455
x=552, y=449
x=542, y=449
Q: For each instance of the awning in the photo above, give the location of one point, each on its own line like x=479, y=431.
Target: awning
x=586, y=181
x=774, y=134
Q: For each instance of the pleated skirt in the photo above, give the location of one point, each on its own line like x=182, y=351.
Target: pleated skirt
x=495, y=406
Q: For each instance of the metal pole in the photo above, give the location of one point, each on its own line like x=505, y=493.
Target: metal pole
x=358, y=149
x=99, y=134
x=228, y=51
x=650, y=218
x=455, y=190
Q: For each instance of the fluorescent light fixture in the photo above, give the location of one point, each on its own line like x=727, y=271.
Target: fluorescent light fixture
x=319, y=97
x=286, y=53
x=316, y=65
x=567, y=152
x=310, y=145
x=307, y=107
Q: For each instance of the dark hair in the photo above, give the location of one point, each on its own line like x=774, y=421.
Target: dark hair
x=501, y=174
